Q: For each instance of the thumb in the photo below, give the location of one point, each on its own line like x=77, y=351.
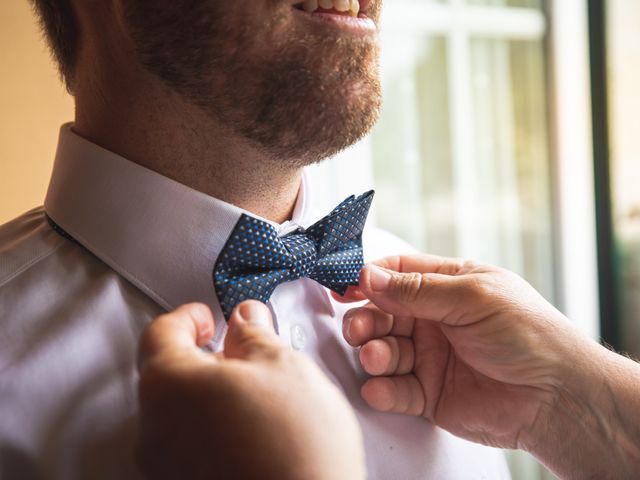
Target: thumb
x=423, y=295
x=251, y=335
x=181, y=331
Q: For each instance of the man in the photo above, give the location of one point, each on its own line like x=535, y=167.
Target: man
x=188, y=115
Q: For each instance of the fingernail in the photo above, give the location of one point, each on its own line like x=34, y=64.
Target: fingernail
x=201, y=317
x=379, y=279
x=346, y=326
x=255, y=314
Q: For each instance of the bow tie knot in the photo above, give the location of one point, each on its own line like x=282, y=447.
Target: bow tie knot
x=304, y=253
x=255, y=260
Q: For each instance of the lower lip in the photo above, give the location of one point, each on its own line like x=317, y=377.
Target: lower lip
x=358, y=25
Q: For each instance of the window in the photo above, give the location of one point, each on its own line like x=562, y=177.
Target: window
x=484, y=146
x=462, y=144
x=483, y=149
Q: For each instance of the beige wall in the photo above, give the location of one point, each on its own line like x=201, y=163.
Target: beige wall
x=33, y=104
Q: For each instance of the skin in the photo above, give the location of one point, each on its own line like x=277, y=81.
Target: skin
x=257, y=411
x=477, y=351
x=232, y=99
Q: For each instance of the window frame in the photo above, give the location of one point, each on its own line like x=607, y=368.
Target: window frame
x=571, y=121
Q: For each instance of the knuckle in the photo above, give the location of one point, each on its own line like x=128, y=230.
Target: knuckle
x=269, y=349
x=409, y=286
x=481, y=287
x=475, y=286
x=460, y=265
x=393, y=360
x=467, y=265
x=470, y=267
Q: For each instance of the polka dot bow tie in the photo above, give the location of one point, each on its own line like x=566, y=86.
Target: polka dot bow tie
x=255, y=260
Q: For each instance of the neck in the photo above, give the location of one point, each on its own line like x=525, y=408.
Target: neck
x=139, y=119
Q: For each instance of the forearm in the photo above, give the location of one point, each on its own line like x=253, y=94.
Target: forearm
x=593, y=428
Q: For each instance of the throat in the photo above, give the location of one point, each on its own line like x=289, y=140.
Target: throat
x=269, y=193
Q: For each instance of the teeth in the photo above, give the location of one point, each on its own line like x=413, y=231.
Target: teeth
x=351, y=6
x=355, y=7
x=342, y=5
x=310, y=5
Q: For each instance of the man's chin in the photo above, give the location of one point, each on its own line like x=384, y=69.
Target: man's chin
x=295, y=95
x=311, y=138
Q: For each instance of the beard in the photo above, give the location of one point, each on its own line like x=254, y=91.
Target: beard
x=293, y=91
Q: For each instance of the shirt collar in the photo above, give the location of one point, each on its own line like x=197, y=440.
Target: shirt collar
x=162, y=236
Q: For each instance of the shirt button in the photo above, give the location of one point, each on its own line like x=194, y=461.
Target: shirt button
x=298, y=337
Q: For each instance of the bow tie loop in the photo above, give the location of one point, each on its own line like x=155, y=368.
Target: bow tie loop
x=343, y=224
x=255, y=260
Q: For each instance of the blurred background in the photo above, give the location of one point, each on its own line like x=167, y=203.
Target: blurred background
x=508, y=135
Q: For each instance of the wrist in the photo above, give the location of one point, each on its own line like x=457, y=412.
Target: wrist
x=591, y=428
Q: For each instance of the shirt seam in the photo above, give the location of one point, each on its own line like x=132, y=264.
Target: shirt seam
x=23, y=268
x=119, y=269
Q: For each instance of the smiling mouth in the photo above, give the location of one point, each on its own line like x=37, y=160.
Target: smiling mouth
x=351, y=8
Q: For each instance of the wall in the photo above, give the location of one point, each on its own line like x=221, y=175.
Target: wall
x=33, y=104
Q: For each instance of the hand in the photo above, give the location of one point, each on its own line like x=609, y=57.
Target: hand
x=260, y=410
x=472, y=348
x=477, y=351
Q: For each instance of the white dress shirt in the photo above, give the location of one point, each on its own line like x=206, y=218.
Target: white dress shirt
x=73, y=305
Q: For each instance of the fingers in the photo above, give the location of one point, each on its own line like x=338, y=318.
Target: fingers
x=388, y=356
x=181, y=331
x=398, y=394
x=443, y=298
x=251, y=335
x=420, y=263
x=423, y=263
x=353, y=294
x=365, y=323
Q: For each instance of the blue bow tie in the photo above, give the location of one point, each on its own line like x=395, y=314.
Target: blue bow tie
x=254, y=261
